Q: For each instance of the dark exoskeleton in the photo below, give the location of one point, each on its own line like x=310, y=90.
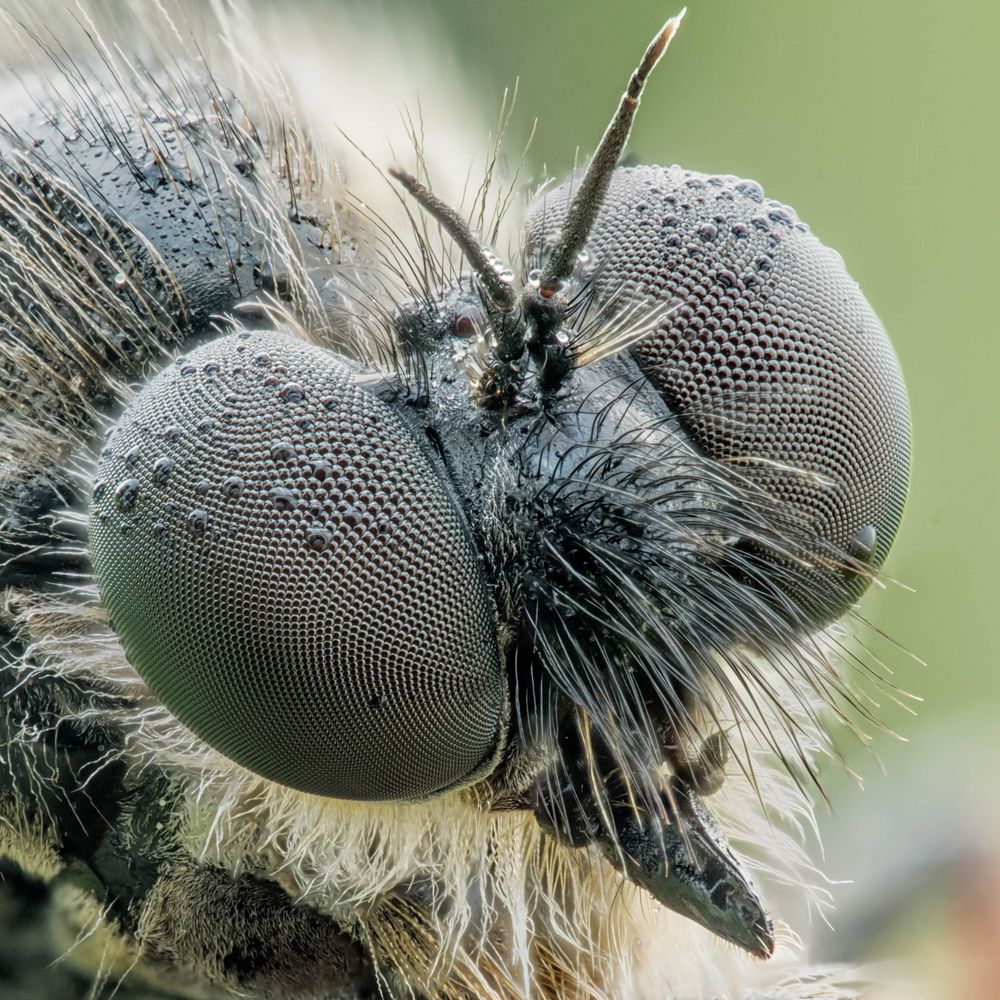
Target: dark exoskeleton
x=528, y=550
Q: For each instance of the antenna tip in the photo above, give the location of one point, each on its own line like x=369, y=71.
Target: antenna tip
x=659, y=44
x=406, y=179
x=669, y=29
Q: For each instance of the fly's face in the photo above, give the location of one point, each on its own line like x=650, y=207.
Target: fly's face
x=557, y=554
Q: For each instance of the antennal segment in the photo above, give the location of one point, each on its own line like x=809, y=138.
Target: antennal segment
x=543, y=299
x=587, y=201
x=483, y=263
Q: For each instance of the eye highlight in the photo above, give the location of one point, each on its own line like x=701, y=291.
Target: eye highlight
x=287, y=572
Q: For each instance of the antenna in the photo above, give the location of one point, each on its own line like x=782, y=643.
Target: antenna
x=533, y=319
x=590, y=194
x=485, y=266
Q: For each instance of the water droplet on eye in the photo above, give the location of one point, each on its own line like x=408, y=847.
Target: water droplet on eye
x=780, y=216
x=282, y=451
x=120, y=280
x=187, y=371
x=751, y=189
x=181, y=360
x=562, y=338
x=318, y=539
x=159, y=529
x=292, y=392
x=126, y=493
x=506, y=275
x=126, y=527
x=233, y=486
x=378, y=701
x=172, y=434
x=210, y=367
x=741, y=231
x=862, y=543
x=132, y=455
x=99, y=487
x=727, y=279
x=351, y=517
x=764, y=263
x=328, y=402
x=708, y=231
x=202, y=487
x=197, y=521
x=282, y=498
x=162, y=468
x=583, y=259
x=321, y=470
x=535, y=275
x=263, y=360
x=272, y=381
x=205, y=425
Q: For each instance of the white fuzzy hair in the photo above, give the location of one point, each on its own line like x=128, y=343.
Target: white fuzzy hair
x=512, y=914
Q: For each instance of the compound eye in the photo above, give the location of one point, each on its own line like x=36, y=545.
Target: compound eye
x=287, y=571
x=774, y=363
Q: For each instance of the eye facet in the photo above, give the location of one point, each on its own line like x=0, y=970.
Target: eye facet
x=287, y=572
x=774, y=363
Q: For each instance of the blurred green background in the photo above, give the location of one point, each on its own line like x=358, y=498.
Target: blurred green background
x=877, y=120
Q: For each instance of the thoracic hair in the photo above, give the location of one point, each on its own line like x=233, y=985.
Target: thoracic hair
x=165, y=184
